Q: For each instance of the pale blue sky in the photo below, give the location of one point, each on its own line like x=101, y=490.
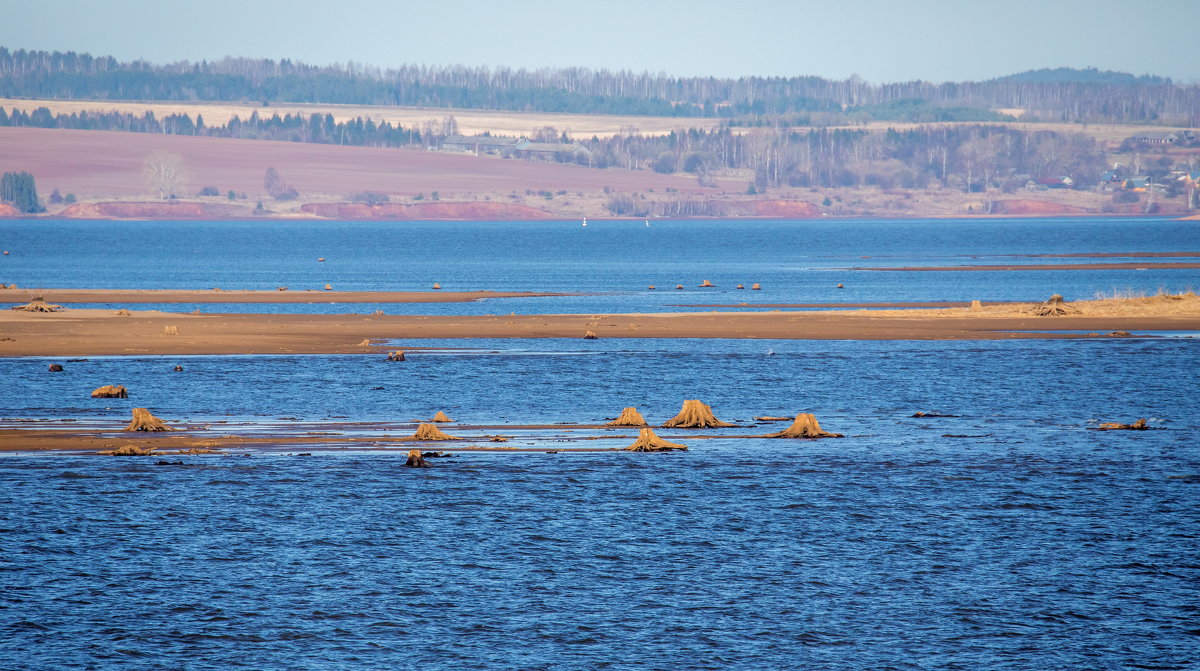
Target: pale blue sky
x=879, y=40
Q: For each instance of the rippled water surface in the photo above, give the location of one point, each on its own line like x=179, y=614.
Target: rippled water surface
x=1011, y=536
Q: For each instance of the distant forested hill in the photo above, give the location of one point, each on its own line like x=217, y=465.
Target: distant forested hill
x=1084, y=76
x=1052, y=95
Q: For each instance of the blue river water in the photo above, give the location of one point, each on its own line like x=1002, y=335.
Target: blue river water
x=1010, y=536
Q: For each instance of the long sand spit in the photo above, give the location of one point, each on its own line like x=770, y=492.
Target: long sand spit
x=97, y=332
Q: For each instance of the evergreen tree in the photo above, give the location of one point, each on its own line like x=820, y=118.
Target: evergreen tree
x=19, y=189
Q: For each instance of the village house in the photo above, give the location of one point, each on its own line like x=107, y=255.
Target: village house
x=552, y=151
x=1156, y=138
x=1044, y=183
x=480, y=144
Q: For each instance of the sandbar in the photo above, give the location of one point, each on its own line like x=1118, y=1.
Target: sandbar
x=95, y=332
x=1150, y=265
x=167, y=296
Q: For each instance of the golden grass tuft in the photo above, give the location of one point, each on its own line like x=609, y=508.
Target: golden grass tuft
x=647, y=441
x=695, y=415
x=144, y=421
x=629, y=417
x=805, y=426
x=427, y=431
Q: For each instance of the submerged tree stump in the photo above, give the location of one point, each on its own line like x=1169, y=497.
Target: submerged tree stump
x=426, y=431
x=37, y=305
x=706, y=284
x=649, y=442
x=131, y=450
x=397, y=355
x=56, y=368
x=1139, y=425
x=695, y=415
x=1053, y=307
x=590, y=335
x=805, y=426
x=629, y=417
x=110, y=391
x=755, y=287
x=441, y=417
x=144, y=421
x=415, y=460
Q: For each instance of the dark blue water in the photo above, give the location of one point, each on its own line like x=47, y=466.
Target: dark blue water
x=1011, y=537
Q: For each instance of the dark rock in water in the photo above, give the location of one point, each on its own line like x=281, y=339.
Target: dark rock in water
x=164, y=462
x=932, y=414
x=56, y=368
x=376, y=388
x=178, y=369
x=435, y=455
x=76, y=360
x=415, y=460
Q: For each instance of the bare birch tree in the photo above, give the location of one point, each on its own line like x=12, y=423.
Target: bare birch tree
x=164, y=172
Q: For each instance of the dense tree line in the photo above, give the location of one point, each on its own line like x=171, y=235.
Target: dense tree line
x=316, y=128
x=1070, y=95
x=19, y=189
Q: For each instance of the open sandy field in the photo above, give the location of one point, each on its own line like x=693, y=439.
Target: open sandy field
x=470, y=122
x=97, y=164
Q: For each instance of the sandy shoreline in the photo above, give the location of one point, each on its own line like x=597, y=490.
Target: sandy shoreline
x=250, y=296
x=96, y=332
x=1045, y=266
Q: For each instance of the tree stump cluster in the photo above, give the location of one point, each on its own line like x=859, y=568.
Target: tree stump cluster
x=805, y=426
x=397, y=355
x=415, y=460
x=649, y=442
x=1054, y=306
x=695, y=415
x=1139, y=425
x=38, y=304
x=110, y=391
x=441, y=417
x=426, y=431
x=144, y=421
x=629, y=417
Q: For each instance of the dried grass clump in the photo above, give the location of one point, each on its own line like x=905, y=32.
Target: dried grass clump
x=38, y=304
x=426, y=431
x=695, y=415
x=110, y=391
x=131, y=451
x=805, y=426
x=1139, y=425
x=647, y=441
x=706, y=283
x=976, y=306
x=629, y=417
x=768, y=418
x=755, y=287
x=397, y=355
x=436, y=285
x=328, y=287
x=590, y=335
x=144, y=421
x=415, y=460
x=171, y=330
x=441, y=417
x=1054, y=306
x=123, y=313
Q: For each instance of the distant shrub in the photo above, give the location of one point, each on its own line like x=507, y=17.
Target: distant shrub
x=70, y=198
x=209, y=191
